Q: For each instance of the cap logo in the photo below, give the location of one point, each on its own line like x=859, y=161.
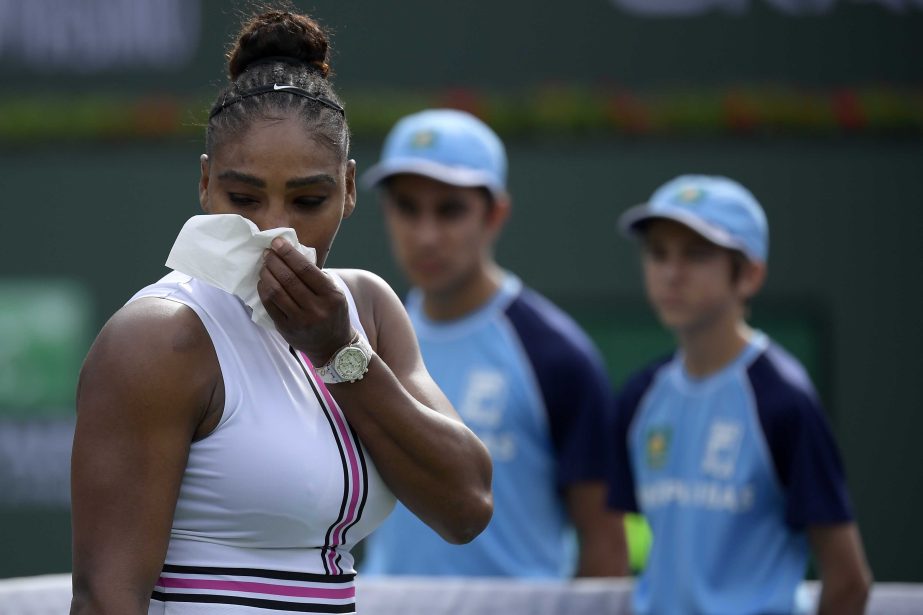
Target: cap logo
x=423, y=139
x=690, y=194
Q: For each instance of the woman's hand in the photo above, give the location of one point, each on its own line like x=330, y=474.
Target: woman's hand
x=309, y=309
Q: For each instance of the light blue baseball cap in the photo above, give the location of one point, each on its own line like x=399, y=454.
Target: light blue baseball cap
x=718, y=208
x=447, y=145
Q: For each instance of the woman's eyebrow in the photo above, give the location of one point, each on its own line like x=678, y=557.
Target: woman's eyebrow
x=301, y=182
x=254, y=181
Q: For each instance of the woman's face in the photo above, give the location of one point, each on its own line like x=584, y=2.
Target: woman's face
x=276, y=174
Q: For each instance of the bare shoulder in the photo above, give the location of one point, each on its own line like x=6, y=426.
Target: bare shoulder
x=158, y=326
x=365, y=284
x=151, y=353
x=375, y=300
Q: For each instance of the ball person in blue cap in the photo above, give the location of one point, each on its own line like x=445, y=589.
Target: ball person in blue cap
x=521, y=373
x=724, y=446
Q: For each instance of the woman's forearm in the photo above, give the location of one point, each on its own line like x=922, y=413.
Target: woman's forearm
x=433, y=463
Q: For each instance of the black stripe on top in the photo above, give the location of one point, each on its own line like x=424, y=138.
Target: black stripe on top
x=365, y=481
x=343, y=460
x=282, y=575
x=275, y=605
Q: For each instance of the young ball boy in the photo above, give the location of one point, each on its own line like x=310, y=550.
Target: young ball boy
x=724, y=446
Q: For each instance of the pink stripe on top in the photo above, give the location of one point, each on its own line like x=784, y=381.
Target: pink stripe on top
x=294, y=591
x=352, y=455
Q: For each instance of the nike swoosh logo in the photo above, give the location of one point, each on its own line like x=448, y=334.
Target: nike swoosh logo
x=276, y=86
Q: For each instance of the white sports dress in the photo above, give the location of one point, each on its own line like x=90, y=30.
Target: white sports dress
x=275, y=497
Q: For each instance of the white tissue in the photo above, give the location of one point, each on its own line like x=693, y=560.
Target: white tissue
x=226, y=251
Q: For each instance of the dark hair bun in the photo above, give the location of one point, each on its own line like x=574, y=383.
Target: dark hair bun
x=279, y=34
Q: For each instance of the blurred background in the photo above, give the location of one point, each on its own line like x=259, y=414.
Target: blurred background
x=816, y=105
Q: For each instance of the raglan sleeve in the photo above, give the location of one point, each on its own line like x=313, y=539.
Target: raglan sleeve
x=620, y=478
x=579, y=419
x=804, y=452
x=810, y=467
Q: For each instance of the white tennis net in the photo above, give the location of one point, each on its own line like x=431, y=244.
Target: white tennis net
x=50, y=595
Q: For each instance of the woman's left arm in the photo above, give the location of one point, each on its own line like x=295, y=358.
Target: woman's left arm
x=426, y=455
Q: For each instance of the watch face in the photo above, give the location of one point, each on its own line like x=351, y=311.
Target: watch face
x=350, y=363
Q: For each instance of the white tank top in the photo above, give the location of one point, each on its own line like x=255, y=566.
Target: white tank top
x=275, y=497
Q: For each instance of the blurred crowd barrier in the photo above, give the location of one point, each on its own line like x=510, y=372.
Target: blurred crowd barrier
x=50, y=595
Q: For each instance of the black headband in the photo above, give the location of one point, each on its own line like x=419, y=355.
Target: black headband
x=277, y=87
x=282, y=60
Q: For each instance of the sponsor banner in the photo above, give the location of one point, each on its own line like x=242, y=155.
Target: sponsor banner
x=92, y=36
x=44, y=335
x=35, y=462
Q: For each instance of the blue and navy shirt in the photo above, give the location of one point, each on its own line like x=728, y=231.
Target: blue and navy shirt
x=528, y=381
x=729, y=471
